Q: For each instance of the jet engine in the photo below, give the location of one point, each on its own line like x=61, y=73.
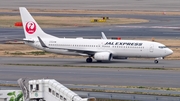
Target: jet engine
x=106, y=56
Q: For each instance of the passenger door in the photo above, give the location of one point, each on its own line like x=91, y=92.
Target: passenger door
x=151, y=49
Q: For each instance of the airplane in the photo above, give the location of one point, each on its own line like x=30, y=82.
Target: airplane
x=98, y=49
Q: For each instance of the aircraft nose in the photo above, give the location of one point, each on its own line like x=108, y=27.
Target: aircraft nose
x=169, y=51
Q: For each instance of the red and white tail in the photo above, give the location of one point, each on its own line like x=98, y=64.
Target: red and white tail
x=30, y=26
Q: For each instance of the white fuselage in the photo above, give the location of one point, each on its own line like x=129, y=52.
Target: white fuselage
x=118, y=48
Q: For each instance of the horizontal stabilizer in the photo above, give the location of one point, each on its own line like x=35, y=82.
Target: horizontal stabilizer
x=28, y=40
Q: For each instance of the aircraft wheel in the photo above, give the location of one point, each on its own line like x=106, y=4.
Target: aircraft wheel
x=156, y=61
x=89, y=60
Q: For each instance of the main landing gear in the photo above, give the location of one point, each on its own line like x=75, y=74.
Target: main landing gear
x=89, y=60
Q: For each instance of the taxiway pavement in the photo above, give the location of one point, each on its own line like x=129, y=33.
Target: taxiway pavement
x=160, y=5
x=98, y=76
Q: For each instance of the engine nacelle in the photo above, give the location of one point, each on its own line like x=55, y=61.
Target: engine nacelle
x=103, y=56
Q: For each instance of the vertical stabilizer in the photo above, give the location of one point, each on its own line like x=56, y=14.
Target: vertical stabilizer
x=30, y=26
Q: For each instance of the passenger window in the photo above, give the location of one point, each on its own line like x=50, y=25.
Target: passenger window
x=31, y=87
x=57, y=95
x=50, y=90
x=61, y=97
x=37, y=87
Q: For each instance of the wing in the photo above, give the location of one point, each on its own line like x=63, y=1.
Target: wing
x=83, y=51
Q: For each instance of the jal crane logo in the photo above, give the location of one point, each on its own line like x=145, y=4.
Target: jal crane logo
x=30, y=27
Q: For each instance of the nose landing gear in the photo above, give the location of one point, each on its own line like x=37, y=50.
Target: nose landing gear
x=156, y=61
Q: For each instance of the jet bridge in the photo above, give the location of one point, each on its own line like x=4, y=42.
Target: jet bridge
x=48, y=90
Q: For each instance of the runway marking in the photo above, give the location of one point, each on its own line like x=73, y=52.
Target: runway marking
x=156, y=27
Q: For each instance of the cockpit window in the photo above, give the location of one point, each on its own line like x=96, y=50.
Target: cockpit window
x=162, y=47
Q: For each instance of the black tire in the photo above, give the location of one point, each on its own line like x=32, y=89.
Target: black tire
x=156, y=61
x=89, y=60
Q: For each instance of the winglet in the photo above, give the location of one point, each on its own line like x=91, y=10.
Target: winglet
x=103, y=36
x=42, y=43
